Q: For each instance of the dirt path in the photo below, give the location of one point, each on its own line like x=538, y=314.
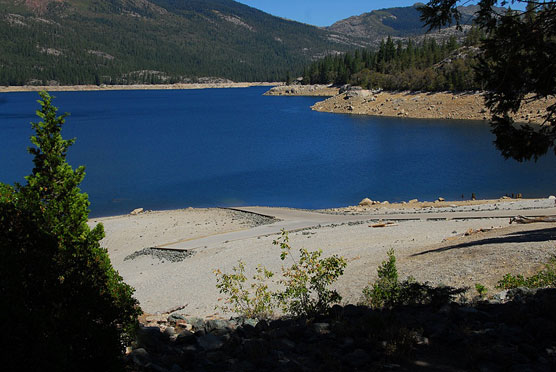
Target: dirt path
x=295, y=220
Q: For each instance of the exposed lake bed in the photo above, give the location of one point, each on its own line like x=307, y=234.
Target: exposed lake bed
x=447, y=248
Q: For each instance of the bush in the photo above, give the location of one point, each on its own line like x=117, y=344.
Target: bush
x=308, y=280
x=544, y=278
x=306, y=285
x=257, y=303
x=388, y=291
x=68, y=308
x=481, y=290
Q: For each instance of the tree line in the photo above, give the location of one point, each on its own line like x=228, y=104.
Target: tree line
x=396, y=65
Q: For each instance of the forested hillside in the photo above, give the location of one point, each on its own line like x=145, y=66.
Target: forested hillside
x=156, y=41
x=429, y=65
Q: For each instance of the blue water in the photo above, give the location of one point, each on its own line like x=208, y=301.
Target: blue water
x=224, y=147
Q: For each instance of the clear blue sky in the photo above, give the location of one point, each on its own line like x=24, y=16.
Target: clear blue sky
x=326, y=12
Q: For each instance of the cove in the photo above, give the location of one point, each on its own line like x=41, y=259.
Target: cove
x=165, y=149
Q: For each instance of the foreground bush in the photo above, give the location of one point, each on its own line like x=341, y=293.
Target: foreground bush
x=387, y=291
x=544, y=278
x=65, y=307
x=306, y=285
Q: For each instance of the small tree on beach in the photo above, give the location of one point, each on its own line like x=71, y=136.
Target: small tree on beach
x=66, y=307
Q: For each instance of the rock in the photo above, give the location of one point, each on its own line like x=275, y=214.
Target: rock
x=174, y=318
x=254, y=348
x=140, y=357
x=344, y=88
x=157, y=318
x=136, y=211
x=210, y=342
x=552, y=197
x=440, y=199
x=358, y=358
x=170, y=332
x=358, y=92
x=501, y=296
x=196, y=323
x=386, y=202
x=366, y=202
x=149, y=337
x=413, y=201
x=217, y=325
x=285, y=344
x=321, y=328
x=186, y=338
x=176, y=368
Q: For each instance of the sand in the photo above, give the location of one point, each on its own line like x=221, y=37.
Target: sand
x=446, y=251
x=71, y=88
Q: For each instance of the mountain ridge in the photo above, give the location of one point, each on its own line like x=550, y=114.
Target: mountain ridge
x=163, y=41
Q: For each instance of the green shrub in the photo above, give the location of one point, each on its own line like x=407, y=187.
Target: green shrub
x=66, y=308
x=256, y=302
x=481, y=289
x=544, y=278
x=308, y=279
x=306, y=285
x=388, y=291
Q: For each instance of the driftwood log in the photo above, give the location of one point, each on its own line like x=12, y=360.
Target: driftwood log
x=521, y=219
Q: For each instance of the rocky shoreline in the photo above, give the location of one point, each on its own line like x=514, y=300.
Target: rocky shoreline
x=416, y=105
x=74, y=88
x=304, y=90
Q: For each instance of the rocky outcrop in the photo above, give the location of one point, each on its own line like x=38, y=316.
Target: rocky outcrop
x=423, y=105
x=514, y=331
x=303, y=90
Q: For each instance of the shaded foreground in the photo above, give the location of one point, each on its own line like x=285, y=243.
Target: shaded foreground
x=512, y=332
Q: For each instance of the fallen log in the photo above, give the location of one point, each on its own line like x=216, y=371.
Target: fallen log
x=522, y=219
x=385, y=224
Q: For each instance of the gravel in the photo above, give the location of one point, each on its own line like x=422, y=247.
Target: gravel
x=161, y=254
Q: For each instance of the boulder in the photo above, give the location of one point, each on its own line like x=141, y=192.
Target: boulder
x=413, y=201
x=366, y=202
x=440, y=199
x=552, y=197
x=137, y=211
x=210, y=342
x=358, y=92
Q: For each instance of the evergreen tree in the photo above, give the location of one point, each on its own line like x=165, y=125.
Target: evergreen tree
x=69, y=309
x=518, y=63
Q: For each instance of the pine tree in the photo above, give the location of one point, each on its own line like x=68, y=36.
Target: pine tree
x=65, y=296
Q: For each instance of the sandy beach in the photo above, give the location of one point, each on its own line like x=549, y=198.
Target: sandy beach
x=452, y=243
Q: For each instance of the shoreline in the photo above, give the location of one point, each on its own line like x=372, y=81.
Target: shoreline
x=406, y=104
x=90, y=87
x=376, y=205
x=425, y=245
x=426, y=105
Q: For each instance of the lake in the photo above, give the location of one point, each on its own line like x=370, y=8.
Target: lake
x=165, y=149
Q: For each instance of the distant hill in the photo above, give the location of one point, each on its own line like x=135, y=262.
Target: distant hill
x=126, y=41
x=370, y=28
